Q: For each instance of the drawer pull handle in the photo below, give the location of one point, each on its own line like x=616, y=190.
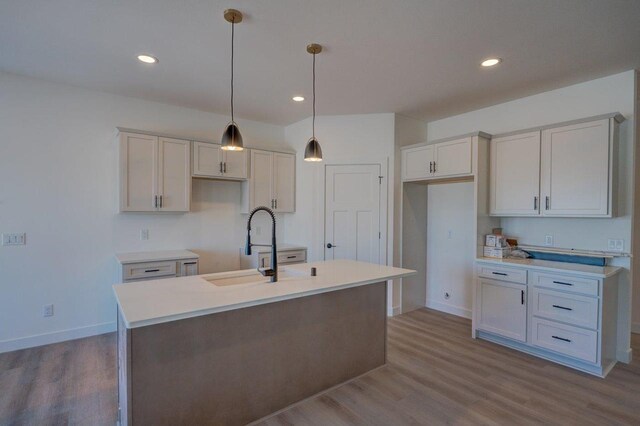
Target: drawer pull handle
x=500, y=273
x=562, y=307
x=292, y=257
x=561, y=283
x=189, y=263
x=152, y=270
x=522, y=297
x=561, y=338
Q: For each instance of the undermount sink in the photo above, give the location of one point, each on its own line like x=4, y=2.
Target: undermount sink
x=253, y=277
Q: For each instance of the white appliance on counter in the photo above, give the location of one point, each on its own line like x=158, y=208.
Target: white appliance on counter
x=288, y=254
x=153, y=265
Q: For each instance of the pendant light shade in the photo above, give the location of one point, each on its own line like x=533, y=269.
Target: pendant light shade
x=231, y=138
x=313, y=152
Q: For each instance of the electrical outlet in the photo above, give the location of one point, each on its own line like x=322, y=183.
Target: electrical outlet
x=447, y=296
x=615, y=245
x=47, y=311
x=14, y=239
x=548, y=240
x=144, y=234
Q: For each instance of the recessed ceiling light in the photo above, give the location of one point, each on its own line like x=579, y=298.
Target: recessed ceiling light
x=298, y=98
x=148, y=59
x=490, y=62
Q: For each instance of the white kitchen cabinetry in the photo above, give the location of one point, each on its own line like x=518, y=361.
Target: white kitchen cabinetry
x=261, y=256
x=145, y=266
x=437, y=160
x=502, y=308
x=562, y=312
x=154, y=173
x=576, y=169
x=271, y=182
x=557, y=171
x=515, y=175
x=211, y=161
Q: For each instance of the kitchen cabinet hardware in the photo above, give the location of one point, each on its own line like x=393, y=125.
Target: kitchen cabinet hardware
x=434, y=167
x=152, y=270
x=562, y=307
x=329, y=245
x=190, y=263
x=161, y=201
x=430, y=166
x=562, y=338
x=535, y=202
x=276, y=203
x=221, y=167
x=547, y=203
x=499, y=273
x=562, y=283
x=291, y=257
x=224, y=168
x=522, y=297
x=155, y=201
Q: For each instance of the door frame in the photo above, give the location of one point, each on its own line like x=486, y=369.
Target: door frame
x=384, y=206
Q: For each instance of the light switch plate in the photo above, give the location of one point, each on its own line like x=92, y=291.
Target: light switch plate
x=548, y=240
x=144, y=234
x=18, y=239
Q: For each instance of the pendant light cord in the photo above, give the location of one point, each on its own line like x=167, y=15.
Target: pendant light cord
x=313, y=124
x=233, y=24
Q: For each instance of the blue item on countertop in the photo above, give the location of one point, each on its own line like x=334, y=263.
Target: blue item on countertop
x=567, y=258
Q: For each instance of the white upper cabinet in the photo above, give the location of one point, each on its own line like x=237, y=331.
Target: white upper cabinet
x=271, y=183
x=417, y=163
x=438, y=160
x=515, y=175
x=174, y=175
x=154, y=174
x=210, y=160
x=576, y=170
x=564, y=171
x=452, y=158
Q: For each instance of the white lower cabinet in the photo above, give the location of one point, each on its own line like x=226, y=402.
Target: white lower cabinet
x=145, y=266
x=566, y=317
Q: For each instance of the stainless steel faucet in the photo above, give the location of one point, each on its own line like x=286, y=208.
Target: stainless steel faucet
x=272, y=272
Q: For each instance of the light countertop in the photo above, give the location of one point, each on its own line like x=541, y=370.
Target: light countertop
x=155, y=256
x=280, y=247
x=157, y=301
x=548, y=265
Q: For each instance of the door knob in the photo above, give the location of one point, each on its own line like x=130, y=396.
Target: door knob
x=329, y=245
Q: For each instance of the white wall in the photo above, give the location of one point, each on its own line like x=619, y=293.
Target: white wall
x=58, y=183
x=450, y=247
x=348, y=139
x=601, y=96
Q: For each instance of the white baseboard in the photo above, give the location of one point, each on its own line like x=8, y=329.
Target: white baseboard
x=56, y=336
x=635, y=327
x=450, y=309
x=393, y=311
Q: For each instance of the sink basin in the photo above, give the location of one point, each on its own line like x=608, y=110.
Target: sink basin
x=253, y=277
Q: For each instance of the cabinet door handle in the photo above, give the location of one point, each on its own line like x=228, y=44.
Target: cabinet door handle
x=291, y=257
x=500, y=273
x=275, y=203
x=272, y=203
x=547, y=203
x=161, y=201
x=434, y=167
x=224, y=167
x=562, y=338
x=522, y=297
x=221, y=167
x=430, y=166
x=562, y=307
x=190, y=263
x=562, y=283
x=152, y=270
x=155, y=201
x=535, y=203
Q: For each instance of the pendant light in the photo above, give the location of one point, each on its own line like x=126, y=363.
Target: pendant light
x=231, y=138
x=313, y=152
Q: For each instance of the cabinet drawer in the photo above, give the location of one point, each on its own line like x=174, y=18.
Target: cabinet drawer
x=573, y=309
x=136, y=271
x=503, y=273
x=565, y=339
x=292, y=256
x=586, y=286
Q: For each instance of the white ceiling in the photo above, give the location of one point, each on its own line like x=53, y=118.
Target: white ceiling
x=415, y=57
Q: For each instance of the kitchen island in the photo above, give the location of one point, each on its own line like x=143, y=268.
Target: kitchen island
x=230, y=348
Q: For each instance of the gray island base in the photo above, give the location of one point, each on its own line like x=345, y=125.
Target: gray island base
x=237, y=366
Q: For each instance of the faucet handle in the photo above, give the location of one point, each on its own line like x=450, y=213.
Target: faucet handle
x=267, y=272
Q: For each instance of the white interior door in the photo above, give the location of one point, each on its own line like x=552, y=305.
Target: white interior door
x=352, y=212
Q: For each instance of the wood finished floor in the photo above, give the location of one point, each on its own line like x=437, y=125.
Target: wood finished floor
x=436, y=374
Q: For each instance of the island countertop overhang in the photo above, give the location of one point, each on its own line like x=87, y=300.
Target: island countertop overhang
x=153, y=302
